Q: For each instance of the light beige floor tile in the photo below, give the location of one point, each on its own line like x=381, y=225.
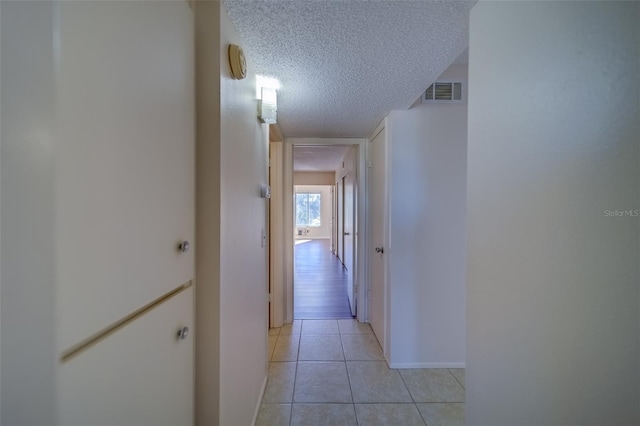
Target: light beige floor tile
x=388, y=415
x=286, y=348
x=433, y=385
x=293, y=328
x=320, y=327
x=320, y=348
x=459, y=374
x=274, y=331
x=323, y=414
x=353, y=326
x=442, y=414
x=372, y=381
x=282, y=376
x=322, y=382
x=274, y=415
x=361, y=347
x=272, y=345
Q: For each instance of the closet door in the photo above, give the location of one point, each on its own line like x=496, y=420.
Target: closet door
x=139, y=375
x=124, y=199
x=377, y=238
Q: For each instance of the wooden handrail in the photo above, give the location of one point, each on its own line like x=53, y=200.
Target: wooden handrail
x=107, y=331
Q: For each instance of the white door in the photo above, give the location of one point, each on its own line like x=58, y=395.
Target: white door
x=124, y=200
x=349, y=232
x=377, y=209
x=333, y=219
x=340, y=219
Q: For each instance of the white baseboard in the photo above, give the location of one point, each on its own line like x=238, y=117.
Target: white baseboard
x=298, y=237
x=255, y=414
x=402, y=365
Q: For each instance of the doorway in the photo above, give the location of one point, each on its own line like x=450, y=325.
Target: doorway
x=282, y=218
x=323, y=225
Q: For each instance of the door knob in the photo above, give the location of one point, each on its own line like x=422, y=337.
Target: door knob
x=183, y=246
x=347, y=233
x=183, y=333
x=379, y=250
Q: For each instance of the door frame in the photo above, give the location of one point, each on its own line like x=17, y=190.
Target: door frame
x=349, y=212
x=340, y=219
x=386, y=235
x=285, y=303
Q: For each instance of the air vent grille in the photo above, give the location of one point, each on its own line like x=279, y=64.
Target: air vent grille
x=444, y=91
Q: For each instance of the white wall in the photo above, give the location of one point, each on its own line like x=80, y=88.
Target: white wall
x=455, y=72
x=348, y=164
x=243, y=257
x=0, y=222
x=426, y=255
x=236, y=296
x=553, y=310
x=208, y=164
x=324, y=230
x=27, y=245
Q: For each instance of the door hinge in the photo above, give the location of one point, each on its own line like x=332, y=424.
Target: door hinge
x=269, y=298
x=369, y=164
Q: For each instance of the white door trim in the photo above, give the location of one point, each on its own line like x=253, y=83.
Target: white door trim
x=361, y=225
x=276, y=228
x=383, y=126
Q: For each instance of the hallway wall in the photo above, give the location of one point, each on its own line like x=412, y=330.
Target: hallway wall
x=553, y=303
x=232, y=284
x=426, y=254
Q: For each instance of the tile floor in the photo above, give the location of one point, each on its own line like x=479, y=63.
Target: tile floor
x=332, y=372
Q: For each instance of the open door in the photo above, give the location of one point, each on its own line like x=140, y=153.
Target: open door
x=340, y=219
x=348, y=235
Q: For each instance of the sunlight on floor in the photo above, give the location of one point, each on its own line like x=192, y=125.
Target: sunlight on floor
x=302, y=241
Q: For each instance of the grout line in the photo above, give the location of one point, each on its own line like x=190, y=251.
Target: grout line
x=359, y=403
x=273, y=350
x=346, y=369
x=463, y=388
x=412, y=398
x=295, y=378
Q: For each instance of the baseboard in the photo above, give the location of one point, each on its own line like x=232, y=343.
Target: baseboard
x=255, y=414
x=403, y=365
x=311, y=238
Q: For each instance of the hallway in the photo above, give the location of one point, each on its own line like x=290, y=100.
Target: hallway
x=320, y=282
x=332, y=372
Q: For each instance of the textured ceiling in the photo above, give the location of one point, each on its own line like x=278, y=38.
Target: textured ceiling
x=318, y=158
x=343, y=65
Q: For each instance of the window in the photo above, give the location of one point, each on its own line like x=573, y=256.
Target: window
x=308, y=209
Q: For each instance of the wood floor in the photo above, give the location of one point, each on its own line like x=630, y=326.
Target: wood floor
x=319, y=283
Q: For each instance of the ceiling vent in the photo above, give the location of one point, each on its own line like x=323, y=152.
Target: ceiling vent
x=444, y=92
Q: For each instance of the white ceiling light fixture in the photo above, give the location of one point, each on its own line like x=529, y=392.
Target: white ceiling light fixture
x=268, y=105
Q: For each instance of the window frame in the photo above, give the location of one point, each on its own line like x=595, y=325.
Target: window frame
x=308, y=193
